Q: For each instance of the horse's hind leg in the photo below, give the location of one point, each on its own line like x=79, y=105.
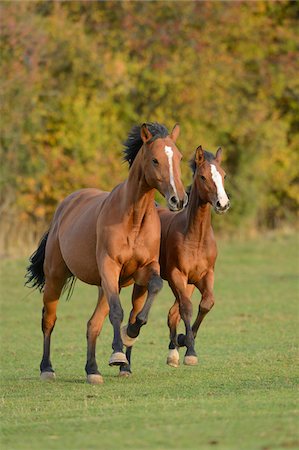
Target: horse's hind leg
x=94, y=327
x=56, y=274
x=173, y=321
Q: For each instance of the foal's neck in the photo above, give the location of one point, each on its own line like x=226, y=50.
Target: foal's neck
x=198, y=213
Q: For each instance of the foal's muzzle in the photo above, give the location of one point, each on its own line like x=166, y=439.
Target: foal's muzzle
x=221, y=209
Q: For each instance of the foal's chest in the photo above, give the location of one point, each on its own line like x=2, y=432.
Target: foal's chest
x=197, y=260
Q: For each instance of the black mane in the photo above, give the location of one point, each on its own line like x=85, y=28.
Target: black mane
x=208, y=157
x=134, y=142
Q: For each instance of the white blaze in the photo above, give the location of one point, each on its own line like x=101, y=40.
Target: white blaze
x=217, y=178
x=169, y=153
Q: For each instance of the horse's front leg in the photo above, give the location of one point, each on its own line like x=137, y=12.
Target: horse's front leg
x=138, y=300
x=206, y=286
x=110, y=272
x=149, y=277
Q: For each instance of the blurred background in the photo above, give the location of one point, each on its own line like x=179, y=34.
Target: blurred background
x=75, y=77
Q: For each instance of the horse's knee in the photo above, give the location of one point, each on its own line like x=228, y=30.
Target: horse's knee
x=155, y=284
x=116, y=312
x=207, y=304
x=48, y=321
x=186, y=309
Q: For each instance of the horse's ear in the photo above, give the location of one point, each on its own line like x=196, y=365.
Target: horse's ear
x=175, y=132
x=199, y=156
x=145, y=134
x=219, y=155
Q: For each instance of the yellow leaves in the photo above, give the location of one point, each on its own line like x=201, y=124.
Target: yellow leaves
x=78, y=76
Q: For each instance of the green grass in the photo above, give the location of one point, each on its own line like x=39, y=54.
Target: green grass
x=242, y=395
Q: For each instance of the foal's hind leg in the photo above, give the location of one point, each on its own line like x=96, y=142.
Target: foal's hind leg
x=173, y=321
x=94, y=327
x=138, y=300
x=56, y=274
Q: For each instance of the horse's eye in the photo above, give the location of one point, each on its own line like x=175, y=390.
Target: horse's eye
x=155, y=162
x=203, y=178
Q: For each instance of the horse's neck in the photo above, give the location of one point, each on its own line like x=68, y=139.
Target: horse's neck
x=198, y=217
x=138, y=195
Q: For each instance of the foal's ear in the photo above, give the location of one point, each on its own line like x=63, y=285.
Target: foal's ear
x=175, y=132
x=219, y=155
x=199, y=156
x=145, y=133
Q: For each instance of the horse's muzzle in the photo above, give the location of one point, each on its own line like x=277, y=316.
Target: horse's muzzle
x=175, y=204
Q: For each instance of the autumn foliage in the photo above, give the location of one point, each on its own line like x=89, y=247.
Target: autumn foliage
x=75, y=76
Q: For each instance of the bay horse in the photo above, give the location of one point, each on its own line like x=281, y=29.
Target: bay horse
x=188, y=251
x=110, y=240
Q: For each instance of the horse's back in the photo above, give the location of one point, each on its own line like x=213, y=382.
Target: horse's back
x=74, y=227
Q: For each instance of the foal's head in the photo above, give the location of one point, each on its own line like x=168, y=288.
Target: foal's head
x=209, y=179
x=160, y=161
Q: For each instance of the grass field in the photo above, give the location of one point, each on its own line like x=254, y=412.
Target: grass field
x=242, y=395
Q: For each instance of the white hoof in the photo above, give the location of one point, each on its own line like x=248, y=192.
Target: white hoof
x=190, y=360
x=127, y=340
x=95, y=378
x=47, y=376
x=118, y=359
x=173, y=358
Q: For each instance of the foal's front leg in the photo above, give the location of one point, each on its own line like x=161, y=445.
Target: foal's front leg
x=206, y=286
x=182, y=292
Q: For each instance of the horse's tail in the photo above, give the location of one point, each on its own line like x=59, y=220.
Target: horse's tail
x=35, y=271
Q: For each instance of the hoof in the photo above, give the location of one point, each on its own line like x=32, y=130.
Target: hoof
x=173, y=358
x=118, y=359
x=95, y=378
x=125, y=374
x=190, y=360
x=127, y=340
x=47, y=376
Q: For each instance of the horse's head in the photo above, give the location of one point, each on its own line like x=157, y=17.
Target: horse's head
x=209, y=178
x=162, y=166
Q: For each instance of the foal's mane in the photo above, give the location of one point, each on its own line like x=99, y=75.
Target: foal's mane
x=134, y=142
x=208, y=157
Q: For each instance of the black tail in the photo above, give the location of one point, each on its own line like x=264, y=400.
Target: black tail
x=35, y=271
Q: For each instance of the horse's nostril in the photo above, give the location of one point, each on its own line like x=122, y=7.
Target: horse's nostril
x=218, y=204
x=174, y=200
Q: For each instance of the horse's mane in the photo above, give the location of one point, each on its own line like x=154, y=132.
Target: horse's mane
x=134, y=142
x=208, y=157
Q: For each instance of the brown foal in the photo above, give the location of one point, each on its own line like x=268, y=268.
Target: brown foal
x=188, y=251
x=111, y=240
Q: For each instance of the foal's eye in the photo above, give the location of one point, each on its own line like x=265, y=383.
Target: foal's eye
x=203, y=178
x=155, y=162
